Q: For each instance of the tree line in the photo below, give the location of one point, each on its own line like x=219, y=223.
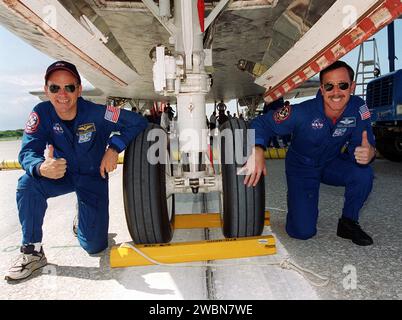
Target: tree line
x=11, y=133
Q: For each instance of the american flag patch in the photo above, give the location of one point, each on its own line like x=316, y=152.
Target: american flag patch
x=364, y=112
x=112, y=114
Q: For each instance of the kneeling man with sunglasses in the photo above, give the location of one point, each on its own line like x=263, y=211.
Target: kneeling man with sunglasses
x=332, y=143
x=82, y=151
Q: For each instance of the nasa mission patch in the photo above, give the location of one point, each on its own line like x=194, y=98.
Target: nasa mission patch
x=282, y=114
x=32, y=124
x=317, y=124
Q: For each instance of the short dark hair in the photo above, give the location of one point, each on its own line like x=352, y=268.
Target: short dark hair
x=336, y=65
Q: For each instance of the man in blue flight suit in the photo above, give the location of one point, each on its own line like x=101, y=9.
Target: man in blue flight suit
x=81, y=154
x=332, y=143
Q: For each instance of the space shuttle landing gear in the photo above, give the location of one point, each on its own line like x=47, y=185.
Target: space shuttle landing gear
x=180, y=74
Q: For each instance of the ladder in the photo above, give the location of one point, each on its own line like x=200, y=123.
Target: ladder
x=368, y=66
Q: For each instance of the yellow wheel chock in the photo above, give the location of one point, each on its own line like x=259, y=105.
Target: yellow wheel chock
x=204, y=220
x=181, y=252
x=9, y=164
x=273, y=153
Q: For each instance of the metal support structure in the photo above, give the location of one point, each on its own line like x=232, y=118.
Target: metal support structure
x=169, y=26
x=368, y=66
x=215, y=12
x=391, y=46
x=204, y=184
x=181, y=73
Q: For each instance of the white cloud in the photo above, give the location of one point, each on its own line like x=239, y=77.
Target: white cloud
x=26, y=81
x=17, y=103
x=23, y=100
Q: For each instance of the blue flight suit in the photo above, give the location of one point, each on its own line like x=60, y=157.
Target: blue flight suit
x=320, y=151
x=277, y=104
x=82, y=143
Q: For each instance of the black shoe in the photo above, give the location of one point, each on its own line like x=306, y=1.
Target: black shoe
x=350, y=229
x=75, y=226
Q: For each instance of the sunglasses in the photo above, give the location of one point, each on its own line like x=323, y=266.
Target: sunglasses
x=54, y=88
x=341, y=85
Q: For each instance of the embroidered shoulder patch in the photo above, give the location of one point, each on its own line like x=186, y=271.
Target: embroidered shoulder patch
x=364, y=112
x=33, y=122
x=282, y=114
x=112, y=114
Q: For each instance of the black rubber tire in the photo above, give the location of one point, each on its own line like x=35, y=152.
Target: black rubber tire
x=243, y=207
x=75, y=225
x=388, y=149
x=144, y=194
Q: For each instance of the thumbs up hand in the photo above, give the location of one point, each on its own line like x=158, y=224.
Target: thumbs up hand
x=53, y=168
x=50, y=152
x=365, y=152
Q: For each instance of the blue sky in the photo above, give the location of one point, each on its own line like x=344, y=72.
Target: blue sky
x=22, y=69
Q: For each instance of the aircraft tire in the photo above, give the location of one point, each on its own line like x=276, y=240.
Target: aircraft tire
x=243, y=207
x=149, y=213
x=390, y=149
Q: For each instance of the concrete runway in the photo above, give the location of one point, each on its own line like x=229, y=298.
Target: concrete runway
x=355, y=272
